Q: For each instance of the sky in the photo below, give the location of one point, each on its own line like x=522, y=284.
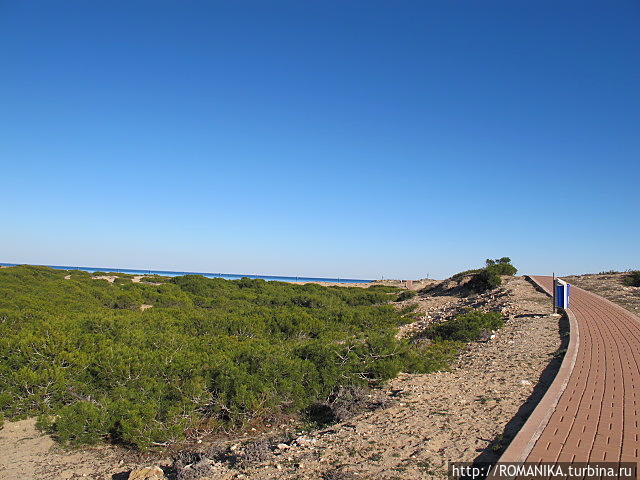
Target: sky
x=356, y=139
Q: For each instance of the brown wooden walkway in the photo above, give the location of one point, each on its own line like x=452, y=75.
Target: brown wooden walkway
x=591, y=412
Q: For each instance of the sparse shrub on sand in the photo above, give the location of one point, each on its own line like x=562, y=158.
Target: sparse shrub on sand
x=467, y=327
x=437, y=356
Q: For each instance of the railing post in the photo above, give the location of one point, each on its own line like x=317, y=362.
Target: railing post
x=553, y=289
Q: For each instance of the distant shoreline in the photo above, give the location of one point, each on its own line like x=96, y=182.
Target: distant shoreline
x=227, y=276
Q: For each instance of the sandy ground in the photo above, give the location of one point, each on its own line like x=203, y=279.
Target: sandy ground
x=26, y=454
x=108, y=278
x=467, y=413
x=609, y=286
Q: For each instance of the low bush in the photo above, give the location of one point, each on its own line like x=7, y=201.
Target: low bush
x=81, y=423
x=155, y=279
x=488, y=278
x=437, y=356
x=459, y=275
x=408, y=309
x=502, y=269
x=383, y=288
x=632, y=279
x=467, y=327
x=406, y=295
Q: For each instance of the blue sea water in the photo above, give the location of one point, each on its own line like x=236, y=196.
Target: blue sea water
x=228, y=276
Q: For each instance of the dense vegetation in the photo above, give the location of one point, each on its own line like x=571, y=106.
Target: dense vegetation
x=210, y=352
x=155, y=279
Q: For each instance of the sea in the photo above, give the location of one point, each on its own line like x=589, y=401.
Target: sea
x=228, y=276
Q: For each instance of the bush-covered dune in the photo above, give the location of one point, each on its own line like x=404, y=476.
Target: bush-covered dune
x=211, y=352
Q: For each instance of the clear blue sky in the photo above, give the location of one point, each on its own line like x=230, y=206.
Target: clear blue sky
x=359, y=138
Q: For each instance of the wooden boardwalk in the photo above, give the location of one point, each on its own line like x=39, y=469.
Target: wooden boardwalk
x=591, y=412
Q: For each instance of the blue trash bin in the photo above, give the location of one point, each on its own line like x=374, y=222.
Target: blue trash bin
x=563, y=290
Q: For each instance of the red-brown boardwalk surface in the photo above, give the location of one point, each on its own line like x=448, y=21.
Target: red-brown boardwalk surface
x=591, y=412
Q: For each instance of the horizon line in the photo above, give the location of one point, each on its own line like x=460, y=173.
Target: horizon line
x=178, y=273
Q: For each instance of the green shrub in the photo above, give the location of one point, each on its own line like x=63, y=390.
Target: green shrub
x=466, y=327
x=80, y=423
x=409, y=308
x=488, y=278
x=383, y=288
x=440, y=354
x=125, y=300
x=45, y=423
x=632, y=279
x=406, y=295
x=459, y=275
x=502, y=269
x=437, y=356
